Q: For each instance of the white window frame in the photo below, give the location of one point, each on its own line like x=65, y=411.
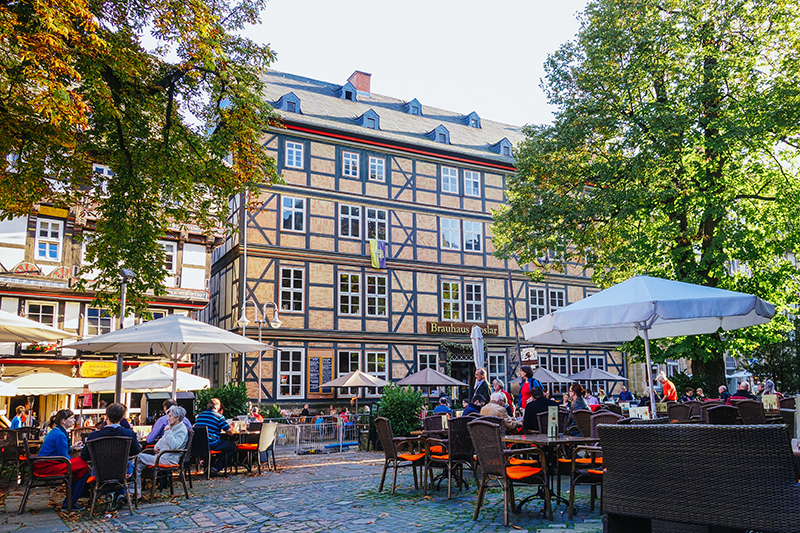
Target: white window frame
x=473, y=306
x=377, y=168
x=557, y=299
x=351, y=365
x=538, y=302
x=48, y=241
x=157, y=313
x=375, y=223
x=170, y=255
x=473, y=236
x=294, y=154
x=427, y=360
x=375, y=366
x=451, y=305
x=291, y=295
x=597, y=361
x=377, y=290
x=289, y=205
x=288, y=359
x=496, y=368
x=101, y=315
x=349, y=221
x=349, y=294
x=559, y=364
x=450, y=180
x=37, y=317
x=350, y=162
x=472, y=183
x=577, y=363
x=450, y=234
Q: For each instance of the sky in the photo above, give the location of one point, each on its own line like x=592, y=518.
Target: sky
x=458, y=55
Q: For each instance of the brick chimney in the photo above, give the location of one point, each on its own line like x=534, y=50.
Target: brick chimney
x=361, y=81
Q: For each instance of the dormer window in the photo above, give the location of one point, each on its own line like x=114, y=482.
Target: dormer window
x=440, y=135
x=289, y=102
x=473, y=120
x=414, y=107
x=370, y=120
x=348, y=92
x=503, y=147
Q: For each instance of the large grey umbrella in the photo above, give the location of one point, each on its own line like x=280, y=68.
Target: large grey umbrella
x=356, y=379
x=649, y=308
x=175, y=337
x=547, y=376
x=596, y=374
x=430, y=378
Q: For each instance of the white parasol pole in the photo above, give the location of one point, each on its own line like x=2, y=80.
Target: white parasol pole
x=644, y=326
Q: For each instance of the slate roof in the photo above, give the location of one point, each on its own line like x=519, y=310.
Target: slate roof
x=321, y=106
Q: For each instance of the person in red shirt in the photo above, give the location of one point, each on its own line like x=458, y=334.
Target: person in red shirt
x=669, y=393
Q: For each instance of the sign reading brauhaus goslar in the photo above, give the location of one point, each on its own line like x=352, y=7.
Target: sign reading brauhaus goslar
x=458, y=328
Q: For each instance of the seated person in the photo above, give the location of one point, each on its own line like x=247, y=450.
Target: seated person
x=537, y=404
x=115, y=413
x=56, y=443
x=17, y=421
x=699, y=395
x=723, y=393
x=175, y=436
x=255, y=415
x=625, y=395
x=162, y=423
x=215, y=423
x=443, y=408
x=478, y=401
x=497, y=408
x=743, y=392
x=688, y=395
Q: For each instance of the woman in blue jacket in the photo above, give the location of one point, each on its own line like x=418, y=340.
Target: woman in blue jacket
x=56, y=444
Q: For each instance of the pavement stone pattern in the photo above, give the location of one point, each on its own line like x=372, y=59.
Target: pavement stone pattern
x=335, y=492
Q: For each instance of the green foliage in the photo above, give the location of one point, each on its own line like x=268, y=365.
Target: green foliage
x=673, y=153
x=402, y=406
x=273, y=413
x=709, y=385
x=162, y=92
x=233, y=397
x=780, y=362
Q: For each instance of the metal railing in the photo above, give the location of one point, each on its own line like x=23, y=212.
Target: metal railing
x=324, y=434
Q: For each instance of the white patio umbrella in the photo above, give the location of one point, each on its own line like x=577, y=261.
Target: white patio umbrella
x=429, y=378
x=15, y=328
x=7, y=389
x=596, y=374
x=477, y=346
x=44, y=383
x=174, y=336
x=151, y=378
x=649, y=308
x=357, y=379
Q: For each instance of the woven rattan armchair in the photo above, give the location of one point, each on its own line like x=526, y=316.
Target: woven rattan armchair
x=80, y=434
x=432, y=423
x=648, y=467
x=161, y=469
x=109, y=456
x=616, y=409
x=35, y=479
x=678, y=412
x=724, y=415
x=643, y=421
x=694, y=408
x=788, y=403
x=586, y=470
x=488, y=441
x=752, y=412
x=563, y=416
x=457, y=452
x=400, y=452
x=582, y=419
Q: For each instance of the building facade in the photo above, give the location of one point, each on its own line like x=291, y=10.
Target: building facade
x=377, y=250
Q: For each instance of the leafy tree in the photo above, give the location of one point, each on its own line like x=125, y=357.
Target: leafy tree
x=165, y=93
x=673, y=152
x=232, y=396
x=779, y=361
x=402, y=406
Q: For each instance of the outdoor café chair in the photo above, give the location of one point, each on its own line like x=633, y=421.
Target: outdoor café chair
x=201, y=450
x=11, y=453
x=456, y=453
x=42, y=480
x=161, y=470
x=586, y=470
x=400, y=452
x=80, y=434
x=695, y=408
x=788, y=403
x=567, y=463
x=266, y=444
x=109, y=456
x=582, y=418
x=751, y=412
x=487, y=438
x=724, y=415
x=678, y=412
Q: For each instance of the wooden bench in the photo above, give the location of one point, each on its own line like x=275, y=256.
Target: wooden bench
x=681, y=478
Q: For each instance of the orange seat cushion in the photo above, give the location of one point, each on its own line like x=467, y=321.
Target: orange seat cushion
x=588, y=460
x=411, y=456
x=23, y=458
x=437, y=449
x=215, y=452
x=440, y=457
x=596, y=472
x=521, y=472
x=90, y=479
x=515, y=461
x=247, y=446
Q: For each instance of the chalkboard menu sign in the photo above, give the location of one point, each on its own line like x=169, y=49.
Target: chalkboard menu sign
x=320, y=370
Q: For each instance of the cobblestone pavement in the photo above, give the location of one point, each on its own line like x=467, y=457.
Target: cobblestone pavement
x=316, y=493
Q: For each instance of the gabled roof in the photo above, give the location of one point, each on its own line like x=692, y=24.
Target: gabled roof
x=324, y=107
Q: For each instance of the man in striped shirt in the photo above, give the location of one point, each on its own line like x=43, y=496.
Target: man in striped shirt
x=216, y=424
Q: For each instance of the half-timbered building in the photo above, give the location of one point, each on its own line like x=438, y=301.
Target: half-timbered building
x=368, y=175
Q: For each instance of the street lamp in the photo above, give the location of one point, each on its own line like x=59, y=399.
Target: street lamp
x=275, y=323
x=126, y=274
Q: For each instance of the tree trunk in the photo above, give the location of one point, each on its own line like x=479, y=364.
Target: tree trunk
x=713, y=368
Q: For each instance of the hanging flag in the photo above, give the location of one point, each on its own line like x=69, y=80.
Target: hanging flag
x=377, y=249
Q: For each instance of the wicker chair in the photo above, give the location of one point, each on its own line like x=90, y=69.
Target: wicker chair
x=724, y=415
x=586, y=470
x=752, y=412
x=266, y=444
x=109, y=456
x=10, y=452
x=788, y=403
x=678, y=412
x=432, y=423
x=488, y=441
x=702, y=454
x=400, y=452
x=42, y=480
x=161, y=470
x=582, y=419
x=602, y=418
x=457, y=452
x=643, y=421
x=80, y=434
x=616, y=409
x=694, y=408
